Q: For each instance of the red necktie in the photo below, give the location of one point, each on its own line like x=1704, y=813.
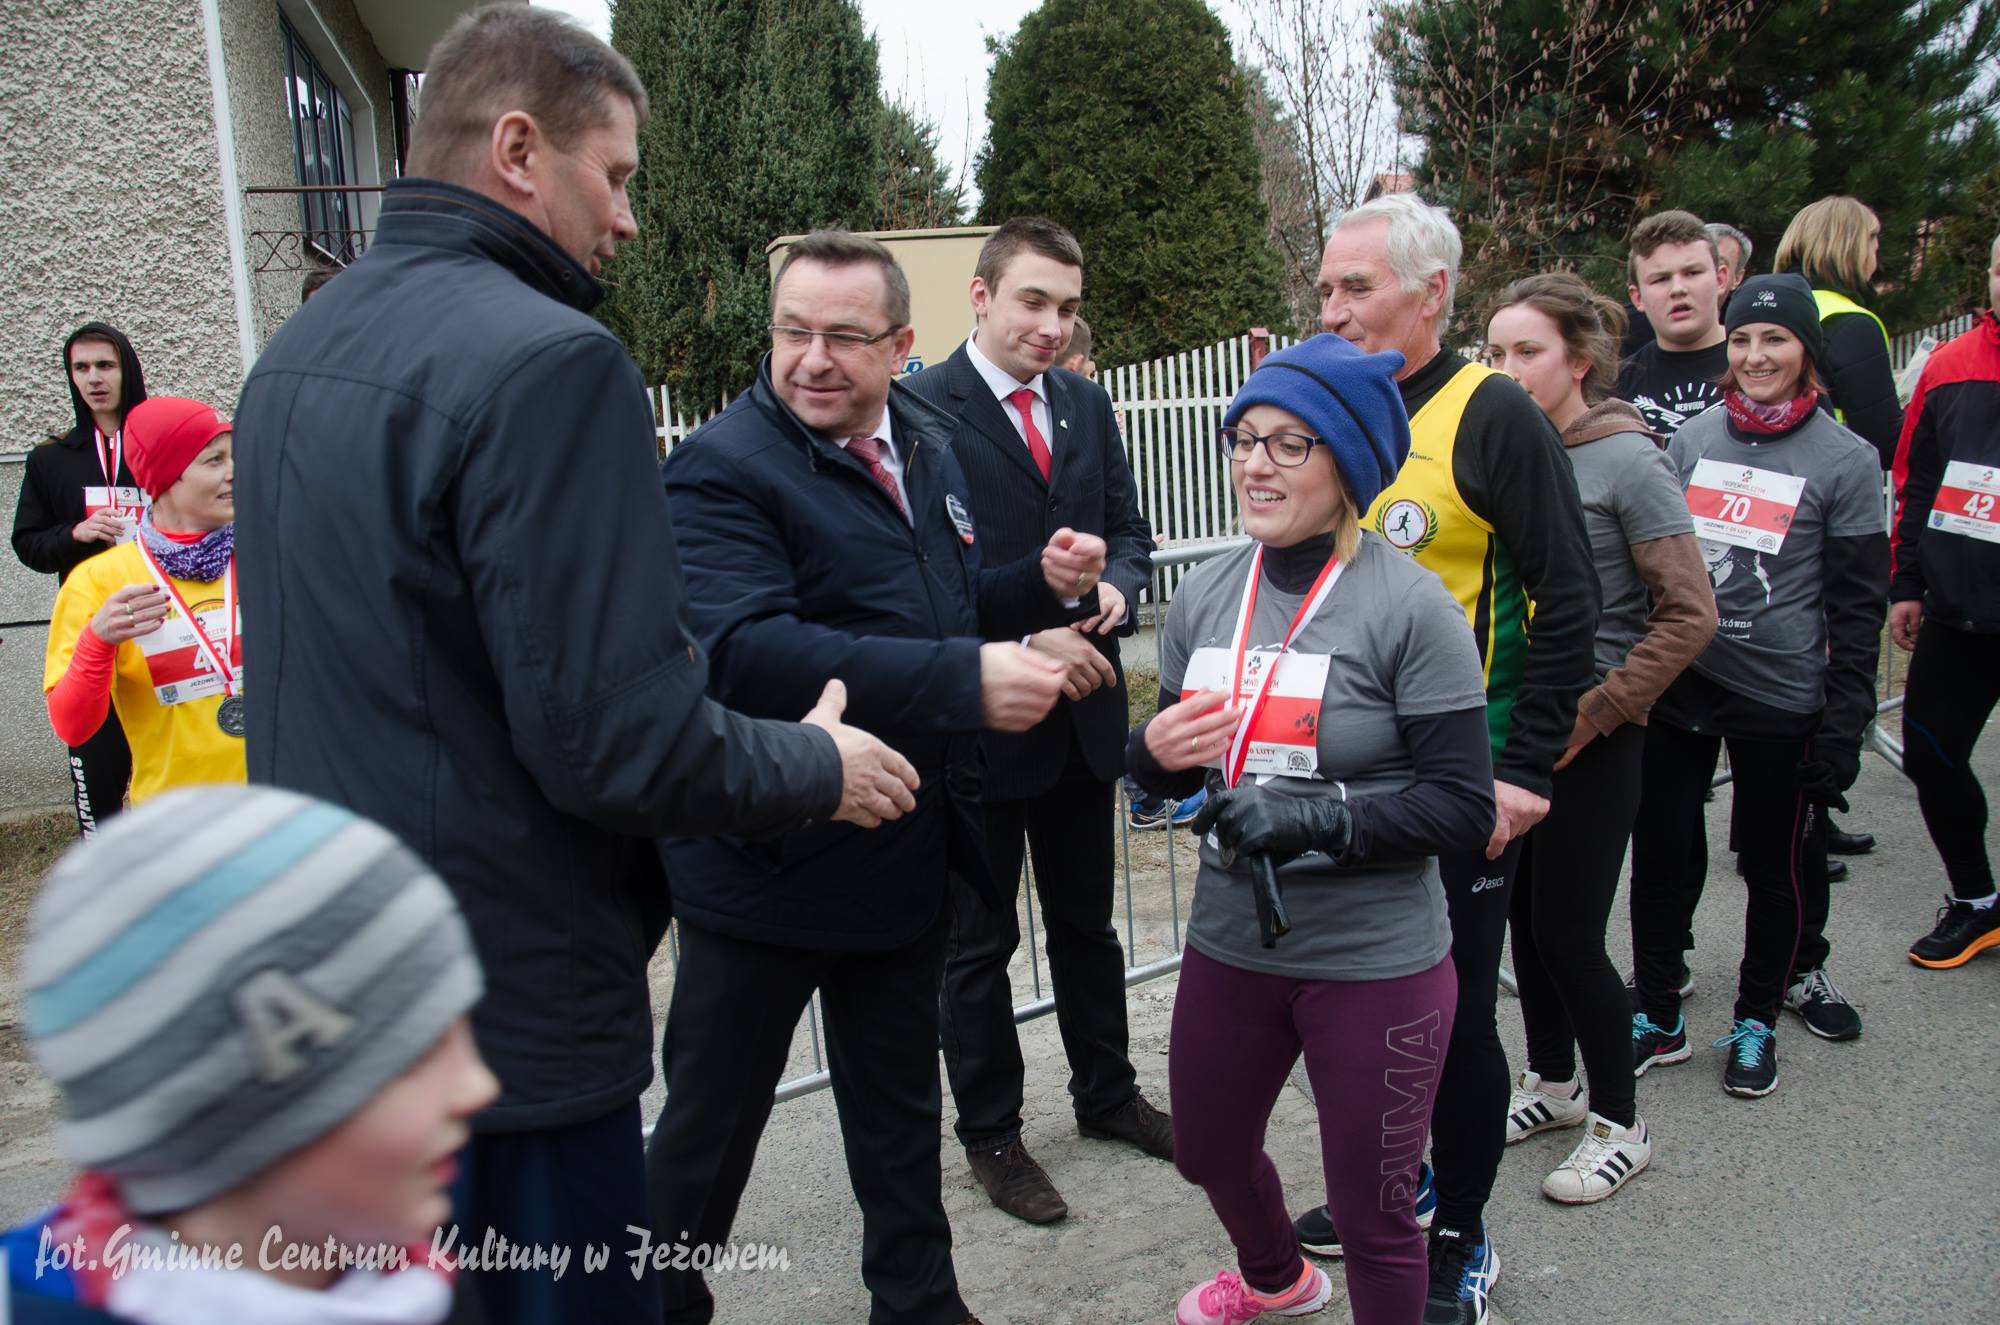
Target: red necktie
x=868, y=450
x=1024, y=401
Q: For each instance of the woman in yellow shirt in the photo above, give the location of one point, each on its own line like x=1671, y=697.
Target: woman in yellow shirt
x=151, y=628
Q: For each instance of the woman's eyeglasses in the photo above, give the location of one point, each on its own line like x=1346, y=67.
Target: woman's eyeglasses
x=1287, y=449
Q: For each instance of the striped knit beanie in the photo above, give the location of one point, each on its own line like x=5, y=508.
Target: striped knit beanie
x=227, y=973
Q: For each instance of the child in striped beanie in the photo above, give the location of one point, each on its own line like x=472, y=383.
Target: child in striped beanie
x=255, y=1007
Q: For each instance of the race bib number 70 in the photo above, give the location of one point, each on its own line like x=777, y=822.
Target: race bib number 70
x=1743, y=505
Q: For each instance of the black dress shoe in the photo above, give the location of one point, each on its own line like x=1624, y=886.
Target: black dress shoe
x=1016, y=1183
x=1840, y=842
x=1138, y=1122
x=1836, y=871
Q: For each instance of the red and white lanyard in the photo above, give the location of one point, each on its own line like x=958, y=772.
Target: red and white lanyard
x=111, y=458
x=1239, y=744
x=218, y=656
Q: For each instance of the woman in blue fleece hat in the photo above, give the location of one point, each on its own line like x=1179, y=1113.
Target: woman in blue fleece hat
x=1325, y=690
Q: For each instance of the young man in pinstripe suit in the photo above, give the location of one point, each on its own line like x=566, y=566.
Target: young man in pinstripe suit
x=1041, y=451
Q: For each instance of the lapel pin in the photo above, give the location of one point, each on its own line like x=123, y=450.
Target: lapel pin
x=1062, y=423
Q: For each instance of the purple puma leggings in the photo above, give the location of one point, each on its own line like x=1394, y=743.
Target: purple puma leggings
x=1372, y=1050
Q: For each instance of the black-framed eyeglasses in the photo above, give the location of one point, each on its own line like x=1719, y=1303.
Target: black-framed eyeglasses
x=1286, y=449
x=839, y=344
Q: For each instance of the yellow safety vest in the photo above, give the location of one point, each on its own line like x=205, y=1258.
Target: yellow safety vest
x=1425, y=515
x=1832, y=303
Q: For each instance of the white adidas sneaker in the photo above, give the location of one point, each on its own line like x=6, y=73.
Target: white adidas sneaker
x=1602, y=1162
x=1532, y=1109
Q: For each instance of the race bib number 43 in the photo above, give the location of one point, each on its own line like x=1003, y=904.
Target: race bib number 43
x=1966, y=500
x=1285, y=740
x=1743, y=505
x=179, y=670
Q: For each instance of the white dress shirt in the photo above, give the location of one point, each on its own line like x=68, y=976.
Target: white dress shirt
x=1002, y=384
x=891, y=461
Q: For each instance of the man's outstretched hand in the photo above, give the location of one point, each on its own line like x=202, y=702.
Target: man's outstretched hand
x=876, y=783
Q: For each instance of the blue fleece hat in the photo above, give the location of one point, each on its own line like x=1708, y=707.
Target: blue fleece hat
x=1349, y=399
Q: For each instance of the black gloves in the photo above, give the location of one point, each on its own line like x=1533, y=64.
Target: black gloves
x=1253, y=822
x=1822, y=780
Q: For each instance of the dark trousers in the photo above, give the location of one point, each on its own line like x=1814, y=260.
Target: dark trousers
x=1953, y=685
x=1469, y=1130
x=559, y=1187
x=1068, y=828
x=1571, y=994
x=1783, y=843
x=729, y=1028
x=100, y=770
x=1371, y=1048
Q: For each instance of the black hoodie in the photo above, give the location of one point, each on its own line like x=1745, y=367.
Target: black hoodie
x=58, y=471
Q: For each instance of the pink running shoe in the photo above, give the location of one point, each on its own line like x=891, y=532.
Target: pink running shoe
x=1227, y=1300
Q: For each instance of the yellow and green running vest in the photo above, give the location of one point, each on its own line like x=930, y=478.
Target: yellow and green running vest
x=1832, y=303
x=1425, y=515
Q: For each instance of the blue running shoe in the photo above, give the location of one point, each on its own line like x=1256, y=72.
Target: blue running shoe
x=1185, y=812
x=1318, y=1235
x=1463, y=1272
x=1653, y=1044
x=1752, y=1071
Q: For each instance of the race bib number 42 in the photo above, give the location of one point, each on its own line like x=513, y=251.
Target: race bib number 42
x=1285, y=740
x=1743, y=505
x=1966, y=500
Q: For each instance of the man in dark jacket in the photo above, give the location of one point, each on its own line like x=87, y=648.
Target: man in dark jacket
x=827, y=531
x=464, y=619
x=78, y=497
x=1041, y=450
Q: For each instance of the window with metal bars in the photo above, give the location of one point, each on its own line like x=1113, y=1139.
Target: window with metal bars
x=323, y=144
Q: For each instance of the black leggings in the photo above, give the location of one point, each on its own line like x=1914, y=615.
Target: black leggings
x=1954, y=683
x=100, y=770
x=1469, y=1121
x=1570, y=992
x=1784, y=866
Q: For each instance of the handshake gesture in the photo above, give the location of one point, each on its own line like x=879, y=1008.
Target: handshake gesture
x=1018, y=683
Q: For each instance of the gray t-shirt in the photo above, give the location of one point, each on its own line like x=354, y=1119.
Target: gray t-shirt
x=1396, y=646
x=1630, y=495
x=1770, y=638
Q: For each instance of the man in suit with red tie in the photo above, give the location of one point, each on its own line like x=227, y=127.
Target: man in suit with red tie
x=1041, y=452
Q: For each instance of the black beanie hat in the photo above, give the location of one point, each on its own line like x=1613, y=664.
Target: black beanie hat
x=1785, y=300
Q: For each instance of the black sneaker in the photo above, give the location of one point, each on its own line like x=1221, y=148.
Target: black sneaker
x=1318, y=1235
x=1632, y=986
x=1464, y=1268
x=1822, y=1007
x=1963, y=932
x=1752, y=1070
x=1654, y=1045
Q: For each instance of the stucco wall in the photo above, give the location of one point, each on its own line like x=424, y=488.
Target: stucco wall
x=112, y=206
x=114, y=209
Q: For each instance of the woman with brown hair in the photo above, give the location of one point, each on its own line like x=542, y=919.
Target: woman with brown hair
x=1559, y=340
x=1788, y=507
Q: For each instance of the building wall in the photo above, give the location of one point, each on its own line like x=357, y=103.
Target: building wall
x=114, y=208
x=113, y=203
x=254, y=58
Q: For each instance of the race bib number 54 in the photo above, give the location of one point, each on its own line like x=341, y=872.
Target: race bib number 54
x=1743, y=505
x=1966, y=500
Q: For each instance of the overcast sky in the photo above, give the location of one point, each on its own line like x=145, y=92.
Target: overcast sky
x=933, y=56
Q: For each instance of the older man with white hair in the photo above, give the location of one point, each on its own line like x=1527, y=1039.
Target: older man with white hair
x=1487, y=500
